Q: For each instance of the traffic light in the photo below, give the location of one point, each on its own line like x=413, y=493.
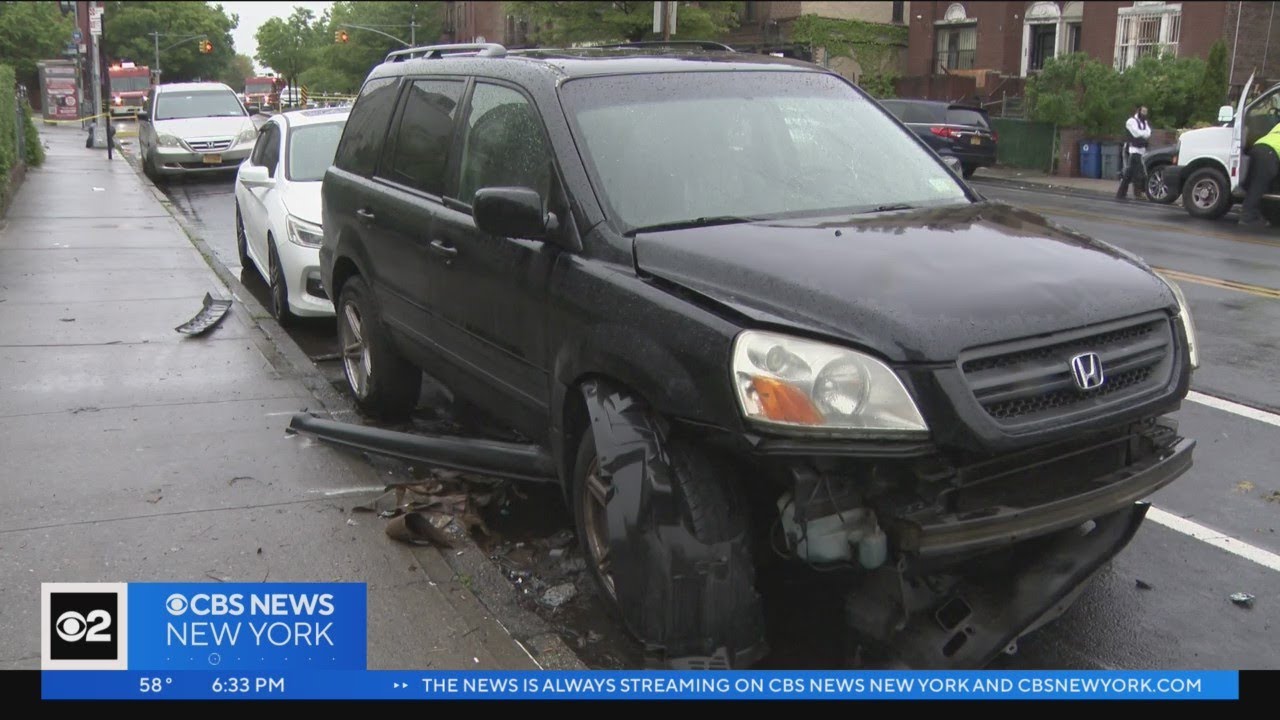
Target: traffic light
x=206, y=46
x=340, y=36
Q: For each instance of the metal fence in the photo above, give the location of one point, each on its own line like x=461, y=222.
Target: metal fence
x=1025, y=143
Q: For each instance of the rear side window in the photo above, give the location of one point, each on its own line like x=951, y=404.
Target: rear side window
x=426, y=128
x=366, y=126
x=504, y=144
x=966, y=116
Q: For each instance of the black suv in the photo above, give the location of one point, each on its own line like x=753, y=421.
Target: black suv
x=961, y=131
x=740, y=312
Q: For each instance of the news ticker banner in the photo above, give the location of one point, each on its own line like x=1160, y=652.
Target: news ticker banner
x=307, y=641
x=639, y=685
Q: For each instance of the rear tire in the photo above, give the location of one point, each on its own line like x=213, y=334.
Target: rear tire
x=1157, y=190
x=968, y=170
x=384, y=384
x=1207, y=194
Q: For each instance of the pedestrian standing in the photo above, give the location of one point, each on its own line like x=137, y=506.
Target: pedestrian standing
x=1135, y=149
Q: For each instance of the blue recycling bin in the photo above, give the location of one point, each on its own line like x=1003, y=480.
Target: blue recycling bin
x=1090, y=159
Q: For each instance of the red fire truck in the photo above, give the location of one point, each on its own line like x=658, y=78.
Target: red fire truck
x=261, y=92
x=130, y=84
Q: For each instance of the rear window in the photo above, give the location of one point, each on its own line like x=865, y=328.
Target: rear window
x=367, y=126
x=967, y=116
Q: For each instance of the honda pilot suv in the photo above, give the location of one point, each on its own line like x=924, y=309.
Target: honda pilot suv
x=739, y=311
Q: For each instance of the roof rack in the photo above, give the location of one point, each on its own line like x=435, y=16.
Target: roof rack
x=699, y=44
x=431, y=52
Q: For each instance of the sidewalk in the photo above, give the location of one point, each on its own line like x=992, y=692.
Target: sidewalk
x=132, y=453
x=1105, y=187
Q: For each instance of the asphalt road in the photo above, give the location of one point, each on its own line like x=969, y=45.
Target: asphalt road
x=1180, y=615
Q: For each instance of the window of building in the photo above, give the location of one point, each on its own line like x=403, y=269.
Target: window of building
x=1147, y=28
x=751, y=11
x=957, y=46
x=897, y=11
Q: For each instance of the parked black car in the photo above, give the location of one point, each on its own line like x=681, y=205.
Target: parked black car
x=950, y=129
x=739, y=313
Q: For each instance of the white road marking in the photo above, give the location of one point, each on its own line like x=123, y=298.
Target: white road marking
x=1265, y=558
x=1234, y=408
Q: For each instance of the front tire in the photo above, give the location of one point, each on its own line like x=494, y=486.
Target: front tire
x=383, y=383
x=1207, y=194
x=242, y=242
x=968, y=170
x=278, y=287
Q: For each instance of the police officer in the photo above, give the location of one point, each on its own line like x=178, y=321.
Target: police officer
x=1134, y=171
x=1264, y=164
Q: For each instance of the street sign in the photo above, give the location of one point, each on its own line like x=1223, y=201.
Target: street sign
x=671, y=16
x=76, y=37
x=95, y=20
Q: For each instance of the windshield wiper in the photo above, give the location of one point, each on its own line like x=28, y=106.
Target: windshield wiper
x=888, y=208
x=708, y=221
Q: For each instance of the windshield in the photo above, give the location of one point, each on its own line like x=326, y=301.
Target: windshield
x=311, y=149
x=259, y=88
x=726, y=146
x=130, y=84
x=210, y=103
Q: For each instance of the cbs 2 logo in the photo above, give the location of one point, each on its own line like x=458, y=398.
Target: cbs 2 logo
x=73, y=627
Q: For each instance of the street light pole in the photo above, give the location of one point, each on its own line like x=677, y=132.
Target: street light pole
x=156, y=37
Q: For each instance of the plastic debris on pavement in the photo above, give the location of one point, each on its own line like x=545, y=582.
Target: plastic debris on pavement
x=1242, y=599
x=208, y=317
x=558, y=595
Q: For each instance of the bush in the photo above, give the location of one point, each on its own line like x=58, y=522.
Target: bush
x=35, y=151
x=8, y=129
x=1077, y=90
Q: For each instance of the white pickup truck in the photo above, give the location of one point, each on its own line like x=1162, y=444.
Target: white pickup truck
x=1213, y=161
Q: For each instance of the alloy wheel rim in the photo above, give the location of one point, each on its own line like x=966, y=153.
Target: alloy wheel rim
x=355, y=351
x=1156, y=187
x=1205, y=193
x=596, y=489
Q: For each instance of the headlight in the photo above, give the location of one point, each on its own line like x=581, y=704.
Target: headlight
x=801, y=384
x=1188, y=325
x=304, y=233
x=249, y=134
x=164, y=140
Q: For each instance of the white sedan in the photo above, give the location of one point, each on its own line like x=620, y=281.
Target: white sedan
x=278, y=208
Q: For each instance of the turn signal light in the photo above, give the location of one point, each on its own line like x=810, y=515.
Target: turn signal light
x=782, y=402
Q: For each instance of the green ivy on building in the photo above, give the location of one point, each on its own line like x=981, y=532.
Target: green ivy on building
x=872, y=45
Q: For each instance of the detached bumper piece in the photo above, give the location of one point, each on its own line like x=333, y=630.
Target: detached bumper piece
x=969, y=617
x=208, y=317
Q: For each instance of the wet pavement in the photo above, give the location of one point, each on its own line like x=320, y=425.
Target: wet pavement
x=1163, y=603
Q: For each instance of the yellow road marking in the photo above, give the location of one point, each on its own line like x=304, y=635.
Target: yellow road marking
x=1258, y=290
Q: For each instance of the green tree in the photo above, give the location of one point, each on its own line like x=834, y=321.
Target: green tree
x=128, y=27
x=1169, y=86
x=566, y=23
x=30, y=32
x=1077, y=90
x=289, y=45
x=240, y=67
x=1212, y=92
x=342, y=67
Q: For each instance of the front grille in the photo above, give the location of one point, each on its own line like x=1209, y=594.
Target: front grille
x=1031, y=380
x=209, y=145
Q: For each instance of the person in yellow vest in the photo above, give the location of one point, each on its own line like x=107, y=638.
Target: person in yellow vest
x=1264, y=164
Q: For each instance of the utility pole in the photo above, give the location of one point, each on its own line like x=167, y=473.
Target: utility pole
x=95, y=51
x=156, y=68
x=666, y=20
x=413, y=26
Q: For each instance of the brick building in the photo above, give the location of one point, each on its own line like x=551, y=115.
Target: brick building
x=467, y=22
x=995, y=42
x=766, y=26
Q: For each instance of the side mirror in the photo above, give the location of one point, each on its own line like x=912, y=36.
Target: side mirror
x=1226, y=114
x=255, y=176
x=143, y=116
x=952, y=162
x=512, y=212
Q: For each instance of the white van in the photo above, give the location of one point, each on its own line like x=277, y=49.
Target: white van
x=1213, y=161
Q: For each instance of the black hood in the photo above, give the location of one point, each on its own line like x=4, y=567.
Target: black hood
x=915, y=286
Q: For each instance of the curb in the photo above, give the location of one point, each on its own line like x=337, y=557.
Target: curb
x=541, y=644
x=1046, y=187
